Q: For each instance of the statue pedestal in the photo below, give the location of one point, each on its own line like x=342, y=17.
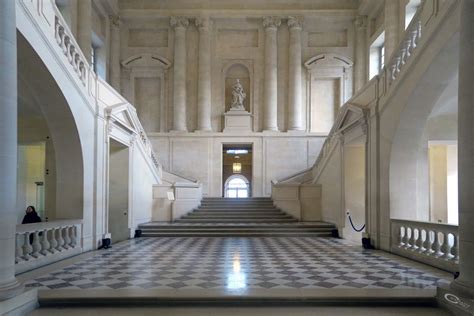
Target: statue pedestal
x=237, y=121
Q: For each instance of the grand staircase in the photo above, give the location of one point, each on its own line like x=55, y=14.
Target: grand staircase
x=237, y=217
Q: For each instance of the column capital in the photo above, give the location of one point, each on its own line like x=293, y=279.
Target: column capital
x=271, y=22
x=295, y=22
x=115, y=20
x=179, y=22
x=360, y=22
x=203, y=22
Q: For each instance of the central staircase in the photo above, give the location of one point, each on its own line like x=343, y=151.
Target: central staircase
x=237, y=217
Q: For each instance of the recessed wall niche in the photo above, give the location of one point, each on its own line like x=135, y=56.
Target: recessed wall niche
x=147, y=81
x=237, y=71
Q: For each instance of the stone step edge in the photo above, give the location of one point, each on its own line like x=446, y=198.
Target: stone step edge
x=293, y=297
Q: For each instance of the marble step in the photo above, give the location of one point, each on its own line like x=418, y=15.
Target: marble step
x=235, y=234
x=237, y=215
x=241, y=220
x=173, y=225
x=236, y=229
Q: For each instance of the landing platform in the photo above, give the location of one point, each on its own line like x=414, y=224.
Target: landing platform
x=236, y=270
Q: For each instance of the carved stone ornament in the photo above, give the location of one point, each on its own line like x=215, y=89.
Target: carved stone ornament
x=238, y=96
x=179, y=21
x=360, y=21
x=271, y=22
x=115, y=20
x=295, y=22
x=203, y=22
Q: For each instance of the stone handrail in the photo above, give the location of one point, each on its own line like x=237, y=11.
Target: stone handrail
x=406, y=47
x=40, y=244
x=435, y=244
x=69, y=46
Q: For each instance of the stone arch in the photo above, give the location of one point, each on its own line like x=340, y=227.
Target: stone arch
x=63, y=127
x=234, y=177
x=408, y=168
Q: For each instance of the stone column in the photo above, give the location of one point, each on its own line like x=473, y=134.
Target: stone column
x=9, y=286
x=465, y=282
x=392, y=27
x=204, y=75
x=295, y=111
x=84, y=27
x=179, y=73
x=360, y=71
x=270, y=96
x=115, y=52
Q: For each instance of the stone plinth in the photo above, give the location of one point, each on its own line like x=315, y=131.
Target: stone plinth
x=237, y=121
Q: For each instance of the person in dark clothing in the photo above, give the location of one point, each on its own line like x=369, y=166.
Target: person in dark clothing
x=31, y=217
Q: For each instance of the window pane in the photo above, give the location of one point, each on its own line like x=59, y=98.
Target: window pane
x=243, y=193
x=231, y=193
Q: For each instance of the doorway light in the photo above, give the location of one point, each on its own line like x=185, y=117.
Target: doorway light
x=237, y=151
x=236, y=167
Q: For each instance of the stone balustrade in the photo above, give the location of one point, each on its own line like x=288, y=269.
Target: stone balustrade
x=405, y=49
x=40, y=244
x=70, y=48
x=435, y=244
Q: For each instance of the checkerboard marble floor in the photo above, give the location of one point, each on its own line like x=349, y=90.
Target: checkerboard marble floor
x=240, y=263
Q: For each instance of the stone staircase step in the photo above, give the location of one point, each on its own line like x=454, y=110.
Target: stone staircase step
x=237, y=217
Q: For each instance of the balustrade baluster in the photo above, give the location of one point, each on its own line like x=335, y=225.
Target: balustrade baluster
x=405, y=237
x=67, y=240
x=53, y=241
x=73, y=237
x=454, y=249
x=27, y=249
x=45, y=243
x=427, y=244
x=419, y=240
x=436, y=245
x=60, y=239
x=18, y=249
x=445, y=247
x=36, y=245
x=411, y=241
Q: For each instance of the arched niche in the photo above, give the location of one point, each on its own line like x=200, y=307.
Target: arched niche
x=145, y=86
x=329, y=86
x=237, y=71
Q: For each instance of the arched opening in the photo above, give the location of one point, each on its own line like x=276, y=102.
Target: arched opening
x=423, y=155
x=237, y=186
x=48, y=142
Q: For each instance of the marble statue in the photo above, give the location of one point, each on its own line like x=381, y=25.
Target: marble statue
x=238, y=96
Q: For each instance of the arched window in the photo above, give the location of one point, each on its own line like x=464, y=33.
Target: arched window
x=237, y=186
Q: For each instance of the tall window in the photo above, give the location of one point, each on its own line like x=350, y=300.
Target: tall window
x=237, y=187
x=382, y=57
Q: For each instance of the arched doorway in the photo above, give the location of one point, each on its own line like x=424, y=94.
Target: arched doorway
x=237, y=186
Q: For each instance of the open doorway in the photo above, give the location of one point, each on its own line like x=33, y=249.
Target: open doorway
x=118, y=191
x=354, y=190
x=237, y=170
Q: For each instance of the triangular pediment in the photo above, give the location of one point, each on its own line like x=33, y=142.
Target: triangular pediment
x=122, y=114
x=348, y=116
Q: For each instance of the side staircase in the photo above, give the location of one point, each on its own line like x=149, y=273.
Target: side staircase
x=237, y=217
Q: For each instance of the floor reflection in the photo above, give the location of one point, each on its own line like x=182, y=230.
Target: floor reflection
x=236, y=279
